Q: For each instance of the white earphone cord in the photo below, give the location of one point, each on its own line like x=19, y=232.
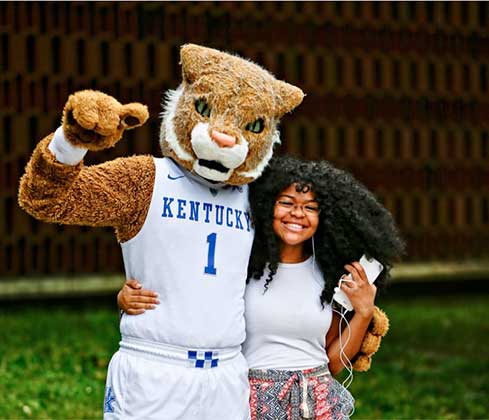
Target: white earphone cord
x=343, y=357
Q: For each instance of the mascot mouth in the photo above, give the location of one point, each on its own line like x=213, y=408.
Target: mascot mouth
x=212, y=164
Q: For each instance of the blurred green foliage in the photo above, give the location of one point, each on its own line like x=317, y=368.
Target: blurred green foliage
x=432, y=364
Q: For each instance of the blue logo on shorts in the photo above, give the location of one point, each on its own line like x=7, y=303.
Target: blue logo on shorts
x=109, y=400
x=203, y=359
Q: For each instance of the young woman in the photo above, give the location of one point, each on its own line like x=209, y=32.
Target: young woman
x=312, y=224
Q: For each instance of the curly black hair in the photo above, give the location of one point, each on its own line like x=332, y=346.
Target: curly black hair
x=351, y=222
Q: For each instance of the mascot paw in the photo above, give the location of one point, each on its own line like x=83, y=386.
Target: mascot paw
x=371, y=342
x=362, y=363
x=380, y=323
x=96, y=121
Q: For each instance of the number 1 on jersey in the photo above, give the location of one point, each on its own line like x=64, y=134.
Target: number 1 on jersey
x=209, y=268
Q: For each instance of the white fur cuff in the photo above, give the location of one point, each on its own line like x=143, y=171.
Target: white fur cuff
x=64, y=151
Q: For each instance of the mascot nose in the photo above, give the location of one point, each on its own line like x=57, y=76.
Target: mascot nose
x=223, y=140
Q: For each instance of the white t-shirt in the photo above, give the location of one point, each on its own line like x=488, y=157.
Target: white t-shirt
x=286, y=326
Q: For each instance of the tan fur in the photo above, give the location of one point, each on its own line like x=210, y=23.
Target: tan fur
x=371, y=342
x=362, y=363
x=380, y=322
x=116, y=193
x=238, y=92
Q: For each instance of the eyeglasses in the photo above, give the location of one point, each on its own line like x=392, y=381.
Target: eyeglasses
x=309, y=209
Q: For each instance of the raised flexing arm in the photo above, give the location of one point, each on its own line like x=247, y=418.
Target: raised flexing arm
x=57, y=187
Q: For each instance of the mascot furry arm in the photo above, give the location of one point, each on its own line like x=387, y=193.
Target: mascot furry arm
x=57, y=187
x=371, y=342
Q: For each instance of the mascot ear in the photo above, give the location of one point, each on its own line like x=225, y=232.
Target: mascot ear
x=194, y=59
x=287, y=97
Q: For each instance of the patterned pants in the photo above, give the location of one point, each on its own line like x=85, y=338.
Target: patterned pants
x=296, y=395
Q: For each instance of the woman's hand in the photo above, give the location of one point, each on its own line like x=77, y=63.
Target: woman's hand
x=360, y=292
x=362, y=296
x=134, y=300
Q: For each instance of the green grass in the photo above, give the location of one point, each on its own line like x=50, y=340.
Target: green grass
x=432, y=365
x=53, y=361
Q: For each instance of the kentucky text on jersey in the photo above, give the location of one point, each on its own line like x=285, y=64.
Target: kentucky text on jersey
x=205, y=212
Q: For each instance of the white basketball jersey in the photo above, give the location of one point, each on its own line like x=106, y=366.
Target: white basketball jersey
x=193, y=250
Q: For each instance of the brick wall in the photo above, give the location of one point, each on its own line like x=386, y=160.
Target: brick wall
x=398, y=93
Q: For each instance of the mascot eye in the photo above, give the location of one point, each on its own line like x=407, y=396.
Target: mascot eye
x=256, y=126
x=202, y=108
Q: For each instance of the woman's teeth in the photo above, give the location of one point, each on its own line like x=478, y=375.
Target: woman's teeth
x=294, y=226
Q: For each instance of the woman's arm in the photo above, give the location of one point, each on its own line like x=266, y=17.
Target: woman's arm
x=362, y=296
x=134, y=300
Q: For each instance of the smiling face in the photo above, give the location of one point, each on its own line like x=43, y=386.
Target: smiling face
x=295, y=220
x=221, y=123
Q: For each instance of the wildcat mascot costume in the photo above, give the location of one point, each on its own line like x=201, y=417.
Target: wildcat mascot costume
x=183, y=223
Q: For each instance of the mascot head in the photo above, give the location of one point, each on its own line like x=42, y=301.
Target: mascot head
x=221, y=122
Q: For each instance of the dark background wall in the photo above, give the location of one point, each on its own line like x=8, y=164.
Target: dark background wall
x=396, y=92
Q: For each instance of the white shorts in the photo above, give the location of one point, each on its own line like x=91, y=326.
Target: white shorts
x=149, y=385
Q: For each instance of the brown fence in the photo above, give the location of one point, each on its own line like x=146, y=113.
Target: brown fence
x=398, y=93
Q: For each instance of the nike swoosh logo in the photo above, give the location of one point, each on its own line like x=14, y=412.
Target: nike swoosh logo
x=173, y=178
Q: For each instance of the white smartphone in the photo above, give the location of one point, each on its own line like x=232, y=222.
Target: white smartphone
x=372, y=269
